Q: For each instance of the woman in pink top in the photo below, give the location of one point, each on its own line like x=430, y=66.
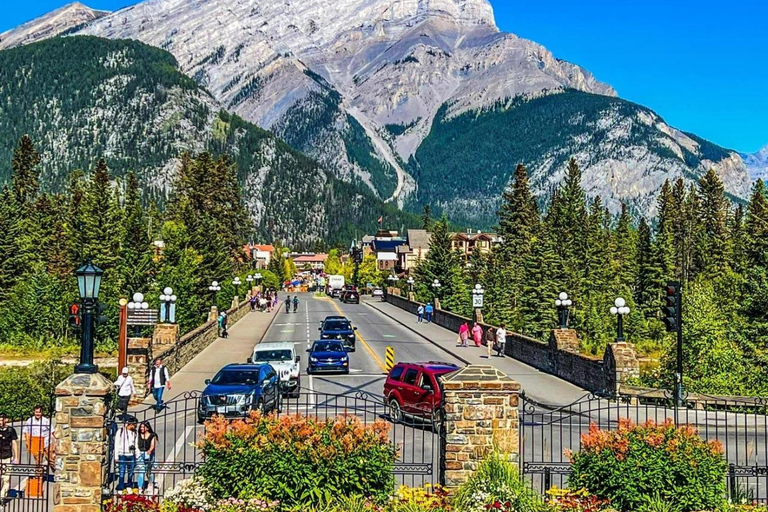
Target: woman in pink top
x=477, y=335
x=463, y=334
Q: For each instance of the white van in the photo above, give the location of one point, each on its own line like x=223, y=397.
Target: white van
x=282, y=357
x=335, y=285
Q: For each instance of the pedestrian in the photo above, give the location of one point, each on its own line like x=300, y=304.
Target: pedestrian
x=501, y=339
x=269, y=303
x=36, y=432
x=125, y=390
x=463, y=334
x=253, y=302
x=262, y=304
x=295, y=303
x=490, y=340
x=288, y=304
x=477, y=334
x=147, y=445
x=125, y=454
x=223, y=325
x=9, y=454
x=420, y=312
x=159, y=379
x=428, y=310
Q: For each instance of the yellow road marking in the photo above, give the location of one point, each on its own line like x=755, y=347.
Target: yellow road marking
x=365, y=343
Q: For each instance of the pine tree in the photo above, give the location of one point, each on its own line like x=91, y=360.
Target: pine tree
x=100, y=233
x=441, y=263
x=737, y=239
x=25, y=180
x=426, y=218
x=625, y=254
x=648, y=271
x=757, y=226
x=135, y=246
x=711, y=242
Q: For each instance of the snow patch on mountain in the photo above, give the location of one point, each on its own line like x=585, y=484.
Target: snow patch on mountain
x=50, y=25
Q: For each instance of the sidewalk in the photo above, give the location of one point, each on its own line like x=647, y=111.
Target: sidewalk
x=236, y=349
x=538, y=385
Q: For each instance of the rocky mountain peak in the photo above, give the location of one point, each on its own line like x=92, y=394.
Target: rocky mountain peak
x=757, y=164
x=52, y=24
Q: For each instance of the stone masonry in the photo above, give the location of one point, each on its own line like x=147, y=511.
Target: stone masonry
x=480, y=415
x=81, y=434
x=138, y=365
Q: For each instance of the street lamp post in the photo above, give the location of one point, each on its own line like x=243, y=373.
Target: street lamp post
x=215, y=289
x=620, y=309
x=392, y=280
x=236, y=282
x=258, y=277
x=138, y=302
x=168, y=299
x=250, y=280
x=410, y=284
x=563, y=303
x=477, y=301
x=88, y=283
x=436, y=287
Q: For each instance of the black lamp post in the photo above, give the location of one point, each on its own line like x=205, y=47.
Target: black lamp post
x=215, y=289
x=620, y=309
x=169, y=299
x=236, y=283
x=563, y=303
x=88, y=283
x=436, y=287
x=258, y=277
x=410, y=284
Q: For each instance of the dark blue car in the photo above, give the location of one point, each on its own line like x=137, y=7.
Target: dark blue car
x=238, y=389
x=328, y=356
x=339, y=328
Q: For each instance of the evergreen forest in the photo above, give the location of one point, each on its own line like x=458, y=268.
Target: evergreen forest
x=718, y=251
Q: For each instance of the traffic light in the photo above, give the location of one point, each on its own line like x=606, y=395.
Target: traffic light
x=100, y=318
x=671, y=309
x=75, y=320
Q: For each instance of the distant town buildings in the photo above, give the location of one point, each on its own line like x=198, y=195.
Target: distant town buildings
x=261, y=254
x=310, y=261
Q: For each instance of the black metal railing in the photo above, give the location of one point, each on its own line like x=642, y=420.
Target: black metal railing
x=25, y=481
x=418, y=440
x=549, y=431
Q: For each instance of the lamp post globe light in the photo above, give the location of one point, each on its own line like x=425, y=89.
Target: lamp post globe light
x=410, y=283
x=563, y=303
x=250, y=280
x=168, y=300
x=215, y=289
x=436, y=287
x=258, y=277
x=236, y=282
x=137, y=303
x=620, y=309
x=88, y=283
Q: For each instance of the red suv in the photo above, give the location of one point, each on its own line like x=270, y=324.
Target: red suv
x=414, y=389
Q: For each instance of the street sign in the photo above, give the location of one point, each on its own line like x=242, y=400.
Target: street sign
x=142, y=316
x=477, y=301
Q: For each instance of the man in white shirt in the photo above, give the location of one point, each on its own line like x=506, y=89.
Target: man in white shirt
x=501, y=339
x=125, y=390
x=159, y=379
x=125, y=454
x=36, y=432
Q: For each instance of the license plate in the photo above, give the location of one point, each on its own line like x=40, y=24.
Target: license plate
x=221, y=409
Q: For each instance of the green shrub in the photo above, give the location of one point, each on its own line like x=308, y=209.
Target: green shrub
x=635, y=467
x=297, y=460
x=496, y=480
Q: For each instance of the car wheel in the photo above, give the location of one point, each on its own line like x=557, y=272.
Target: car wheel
x=395, y=412
x=200, y=420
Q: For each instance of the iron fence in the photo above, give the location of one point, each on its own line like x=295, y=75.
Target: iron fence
x=25, y=482
x=419, y=442
x=549, y=431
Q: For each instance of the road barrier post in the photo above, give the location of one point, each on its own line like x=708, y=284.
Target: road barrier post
x=390, y=359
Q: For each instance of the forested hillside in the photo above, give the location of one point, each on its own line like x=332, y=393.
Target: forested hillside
x=472, y=156
x=84, y=98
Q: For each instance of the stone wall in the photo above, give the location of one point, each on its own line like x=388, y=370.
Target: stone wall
x=81, y=434
x=559, y=356
x=141, y=351
x=481, y=414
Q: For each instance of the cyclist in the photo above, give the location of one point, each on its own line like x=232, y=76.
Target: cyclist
x=295, y=303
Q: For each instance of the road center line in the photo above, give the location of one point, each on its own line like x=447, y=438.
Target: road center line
x=365, y=343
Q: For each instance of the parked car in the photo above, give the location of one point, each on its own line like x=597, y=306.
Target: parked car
x=238, y=389
x=378, y=292
x=328, y=356
x=414, y=389
x=282, y=356
x=338, y=327
x=351, y=296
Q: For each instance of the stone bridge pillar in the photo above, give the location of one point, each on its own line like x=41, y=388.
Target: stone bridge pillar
x=81, y=410
x=620, y=364
x=480, y=415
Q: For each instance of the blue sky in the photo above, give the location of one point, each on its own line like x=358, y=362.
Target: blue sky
x=699, y=64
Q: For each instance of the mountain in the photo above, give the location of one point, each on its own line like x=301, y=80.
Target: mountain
x=67, y=18
x=757, y=164
x=82, y=98
x=367, y=86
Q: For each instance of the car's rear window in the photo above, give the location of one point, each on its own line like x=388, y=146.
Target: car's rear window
x=236, y=377
x=337, y=325
x=410, y=376
x=328, y=346
x=396, y=373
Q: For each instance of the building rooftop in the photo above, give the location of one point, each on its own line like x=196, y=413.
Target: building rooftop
x=418, y=238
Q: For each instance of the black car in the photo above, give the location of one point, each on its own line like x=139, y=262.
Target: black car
x=238, y=389
x=339, y=328
x=350, y=297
